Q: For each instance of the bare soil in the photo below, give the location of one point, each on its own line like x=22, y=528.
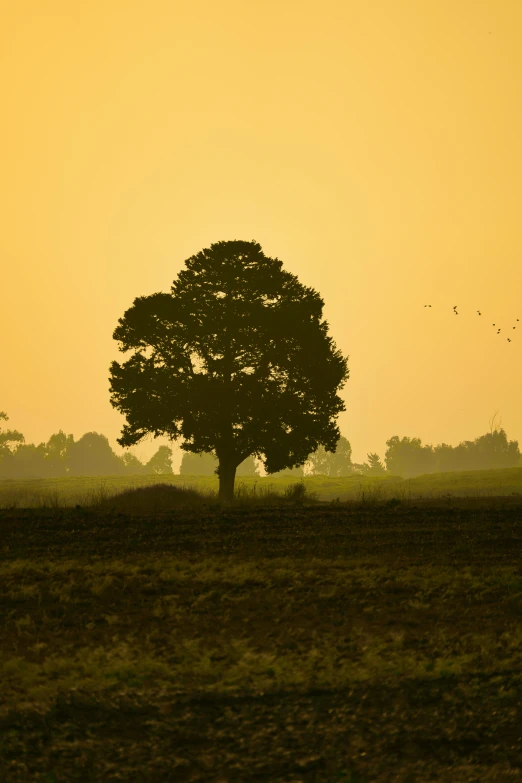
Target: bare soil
x=370, y=645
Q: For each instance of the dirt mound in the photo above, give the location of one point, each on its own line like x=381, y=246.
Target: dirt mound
x=152, y=499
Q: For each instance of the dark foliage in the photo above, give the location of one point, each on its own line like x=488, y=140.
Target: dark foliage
x=235, y=360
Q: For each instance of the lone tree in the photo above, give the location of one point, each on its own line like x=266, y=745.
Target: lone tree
x=235, y=360
x=375, y=466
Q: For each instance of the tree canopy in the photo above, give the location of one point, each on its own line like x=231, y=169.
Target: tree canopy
x=338, y=463
x=160, y=462
x=236, y=360
x=92, y=455
x=375, y=466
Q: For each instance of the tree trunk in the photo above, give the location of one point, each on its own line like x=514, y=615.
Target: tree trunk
x=227, y=478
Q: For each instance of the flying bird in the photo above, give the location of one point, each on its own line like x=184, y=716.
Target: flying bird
x=478, y=311
x=427, y=305
x=508, y=340
x=498, y=331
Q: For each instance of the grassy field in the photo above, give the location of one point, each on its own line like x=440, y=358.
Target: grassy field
x=86, y=490
x=283, y=642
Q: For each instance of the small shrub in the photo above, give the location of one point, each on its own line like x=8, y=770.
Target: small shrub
x=152, y=499
x=297, y=493
x=268, y=495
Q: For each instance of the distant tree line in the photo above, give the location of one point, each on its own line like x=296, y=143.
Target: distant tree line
x=92, y=455
x=408, y=457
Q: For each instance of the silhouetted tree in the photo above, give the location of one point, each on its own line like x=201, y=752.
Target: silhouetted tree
x=338, y=463
x=56, y=454
x=240, y=363
x=8, y=437
x=160, y=462
x=132, y=464
x=407, y=457
x=375, y=466
x=493, y=450
x=448, y=458
x=29, y=461
x=10, y=440
x=92, y=455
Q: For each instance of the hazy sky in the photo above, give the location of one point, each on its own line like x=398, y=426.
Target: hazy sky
x=372, y=146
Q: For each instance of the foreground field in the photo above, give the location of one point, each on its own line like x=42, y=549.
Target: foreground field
x=264, y=644
x=84, y=490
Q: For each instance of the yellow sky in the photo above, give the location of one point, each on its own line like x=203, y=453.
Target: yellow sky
x=372, y=146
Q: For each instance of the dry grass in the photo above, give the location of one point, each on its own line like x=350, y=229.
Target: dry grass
x=368, y=491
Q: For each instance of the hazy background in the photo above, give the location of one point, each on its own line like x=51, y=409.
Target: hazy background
x=372, y=146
